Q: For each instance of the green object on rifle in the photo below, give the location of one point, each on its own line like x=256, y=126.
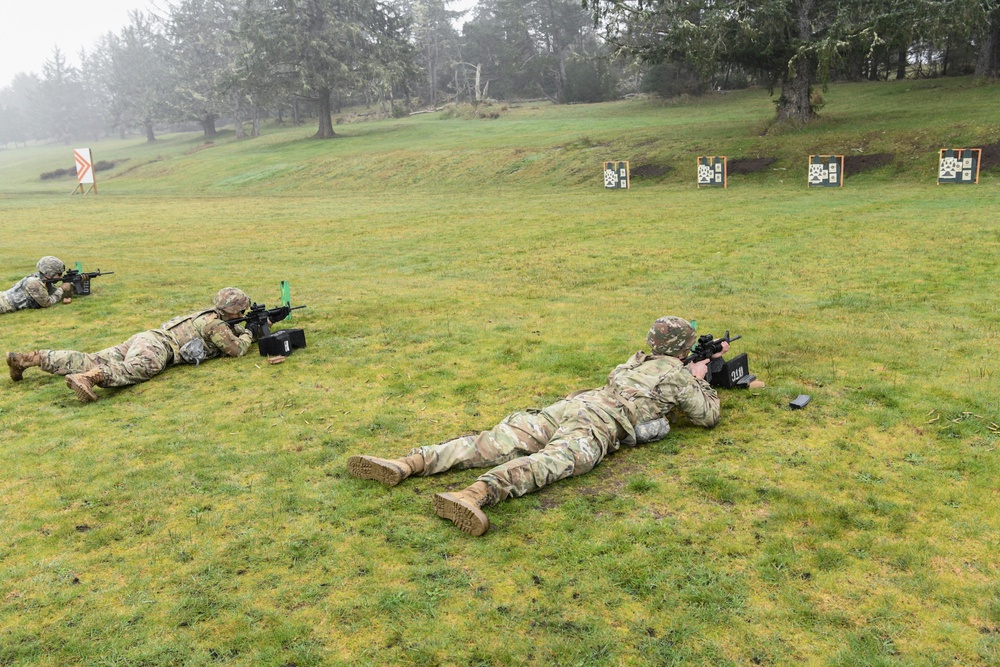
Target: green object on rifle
x=286, y=295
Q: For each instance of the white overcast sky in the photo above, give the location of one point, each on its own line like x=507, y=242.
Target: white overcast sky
x=30, y=28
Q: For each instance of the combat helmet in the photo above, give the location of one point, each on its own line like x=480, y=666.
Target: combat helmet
x=671, y=336
x=50, y=266
x=231, y=300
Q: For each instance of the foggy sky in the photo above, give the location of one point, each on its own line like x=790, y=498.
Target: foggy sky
x=30, y=28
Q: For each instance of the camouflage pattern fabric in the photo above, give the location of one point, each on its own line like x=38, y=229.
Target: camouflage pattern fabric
x=136, y=360
x=534, y=449
x=50, y=266
x=231, y=299
x=219, y=338
x=657, y=385
x=148, y=353
x=672, y=336
x=30, y=292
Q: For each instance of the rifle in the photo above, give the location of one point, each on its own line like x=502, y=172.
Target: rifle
x=721, y=373
x=707, y=346
x=79, y=279
x=259, y=320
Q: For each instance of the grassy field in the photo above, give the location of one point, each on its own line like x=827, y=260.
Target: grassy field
x=458, y=269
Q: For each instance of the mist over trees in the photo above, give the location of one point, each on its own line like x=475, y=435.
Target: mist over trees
x=199, y=62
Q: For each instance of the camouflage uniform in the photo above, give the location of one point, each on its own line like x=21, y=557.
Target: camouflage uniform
x=148, y=353
x=30, y=292
x=534, y=449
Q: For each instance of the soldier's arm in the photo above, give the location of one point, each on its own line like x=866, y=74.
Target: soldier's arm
x=231, y=343
x=700, y=402
x=38, y=291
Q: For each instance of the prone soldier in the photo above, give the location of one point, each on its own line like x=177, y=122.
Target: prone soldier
x=531, y=450
x=189, y=338
x=39, y=290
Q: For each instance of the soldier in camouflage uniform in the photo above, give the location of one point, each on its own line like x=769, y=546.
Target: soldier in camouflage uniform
x=190, y=338
x=534, y=449
x=32, y=291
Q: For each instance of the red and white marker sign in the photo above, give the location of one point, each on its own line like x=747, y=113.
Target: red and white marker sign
x=84, y=165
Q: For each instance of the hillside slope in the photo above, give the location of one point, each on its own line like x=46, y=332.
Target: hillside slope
x=533, y=146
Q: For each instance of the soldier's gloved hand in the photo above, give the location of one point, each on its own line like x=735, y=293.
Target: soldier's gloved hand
x=699, y=369
x=254, y=329
x=67, y=288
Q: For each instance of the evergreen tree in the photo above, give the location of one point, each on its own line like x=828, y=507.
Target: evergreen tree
x=17, y=110
x=141, y=77
x=791, y=44
x=199, y=35
x=59, y=96
x=340, y=45
x=436, y=42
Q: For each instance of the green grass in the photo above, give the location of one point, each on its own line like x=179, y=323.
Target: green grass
x=456, y=270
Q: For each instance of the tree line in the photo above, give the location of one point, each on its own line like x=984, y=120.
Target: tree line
x=202, y=61
x=792, y=45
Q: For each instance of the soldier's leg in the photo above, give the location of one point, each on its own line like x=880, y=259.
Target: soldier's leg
x=138, y=359
x=518, y=434
x=66, y=362
x=579, y=442
x=70, y=362
x=5, y=305
x=57, y=362
x=574, y=450
x=145, y=355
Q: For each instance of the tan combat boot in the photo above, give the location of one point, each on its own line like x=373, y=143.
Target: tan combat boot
x=462, y=508
x=387, y=471
x=83, y=384
x=17, y=362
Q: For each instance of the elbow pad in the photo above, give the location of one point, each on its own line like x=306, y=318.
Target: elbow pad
x=652, y=431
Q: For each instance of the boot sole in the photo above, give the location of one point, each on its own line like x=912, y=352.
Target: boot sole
x=466, y=516
x=82, y=391
x=16, y=372
x=366, y=467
